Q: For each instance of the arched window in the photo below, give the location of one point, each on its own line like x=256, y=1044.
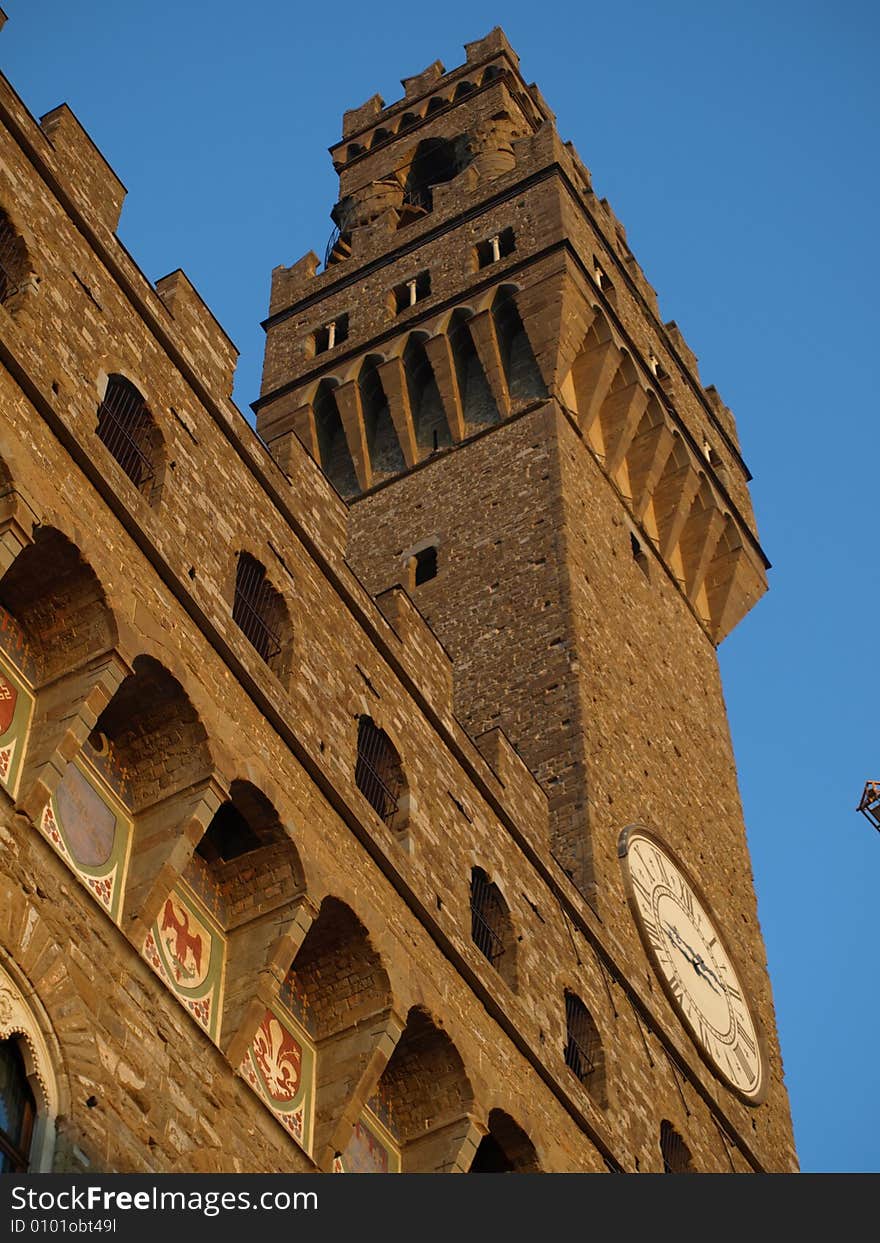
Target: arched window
x=675, y=1152
x=258, y=609
x=434, y=161
x=17, y=1110
x=491, y=927
x=129, y=431
x=583, y=1048
x=14, y=266
x=379, y=772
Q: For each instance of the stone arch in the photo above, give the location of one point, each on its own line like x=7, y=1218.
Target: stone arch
x=505, y=1149
x=426, y=1099
x=59, y=608
x=492, y=72
x=247, y=876
x=337, y=977
x=479, y=408
x=646, y=457
x=429, y=418
x=383, y=445
x=128, y=429
x=463, y=88
x=433, y=162
x=524, y=380
x=435, y=103
x=339, y=992
x=149, y=739
x=591, y=371
x=246, y=859
x=334, y=455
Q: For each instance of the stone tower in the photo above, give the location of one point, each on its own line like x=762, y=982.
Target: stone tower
x=481, y=370
x=366, y=797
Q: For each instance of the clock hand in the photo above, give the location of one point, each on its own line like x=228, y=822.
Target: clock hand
x=705, y=972
x=696, y=960
x=680, y=944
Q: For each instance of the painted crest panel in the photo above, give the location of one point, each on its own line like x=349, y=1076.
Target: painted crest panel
x=280, y=1067
x=16, y=700
x=91, y=830
x=372, y=1149
x=187, y=950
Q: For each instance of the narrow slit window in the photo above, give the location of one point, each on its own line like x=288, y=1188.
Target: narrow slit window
x=425, y=567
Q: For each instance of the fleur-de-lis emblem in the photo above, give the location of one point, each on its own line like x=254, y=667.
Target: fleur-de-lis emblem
x=279, y=1058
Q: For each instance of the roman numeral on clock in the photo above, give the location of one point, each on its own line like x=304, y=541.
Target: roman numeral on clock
x=746, y=1038
x=744, y=1063
x=654, y=936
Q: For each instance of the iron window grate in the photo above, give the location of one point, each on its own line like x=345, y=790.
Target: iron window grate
x=125, y=427
x=253, y=606
x=378, y=773
x=675, y=1152
x=487, y=917
x=582, y=1045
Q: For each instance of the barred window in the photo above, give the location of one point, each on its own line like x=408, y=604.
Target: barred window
x=379, y=772
x=675, y=1152
x=583, y=1048
x=14, y=266
x=488, y=916
x=129, y=431
x=17, y=1110
x=258, y=609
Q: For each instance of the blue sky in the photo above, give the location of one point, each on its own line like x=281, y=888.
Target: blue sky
x=737, y=143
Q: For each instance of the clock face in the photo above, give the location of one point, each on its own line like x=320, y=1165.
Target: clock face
x=689, y=956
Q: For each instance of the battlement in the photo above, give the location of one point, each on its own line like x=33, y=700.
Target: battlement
x=83, y=167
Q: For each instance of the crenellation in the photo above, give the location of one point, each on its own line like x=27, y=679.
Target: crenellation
x=86, y=173
x=200, y=333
